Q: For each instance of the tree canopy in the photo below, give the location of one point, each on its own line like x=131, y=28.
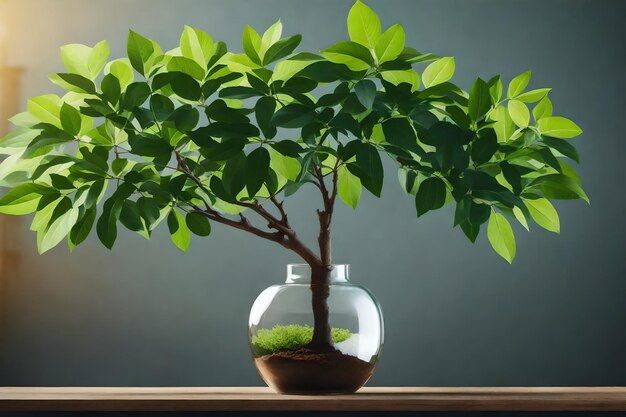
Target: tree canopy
x=198, y=135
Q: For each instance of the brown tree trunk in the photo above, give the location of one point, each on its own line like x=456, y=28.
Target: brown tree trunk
x=320, y=290
x=320, y=280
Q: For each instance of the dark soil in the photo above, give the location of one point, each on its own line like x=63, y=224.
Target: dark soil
x=305, y=371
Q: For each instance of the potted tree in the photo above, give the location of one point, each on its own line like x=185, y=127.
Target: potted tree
x=198, y=135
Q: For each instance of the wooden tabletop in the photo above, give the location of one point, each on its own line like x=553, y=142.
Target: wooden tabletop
x=263, y=399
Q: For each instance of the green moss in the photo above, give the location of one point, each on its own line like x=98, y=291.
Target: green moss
x=290, y=337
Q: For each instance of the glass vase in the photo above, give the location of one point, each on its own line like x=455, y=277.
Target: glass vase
x=282, y=327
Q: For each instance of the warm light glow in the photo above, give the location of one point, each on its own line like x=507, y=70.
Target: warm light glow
x=3, y=32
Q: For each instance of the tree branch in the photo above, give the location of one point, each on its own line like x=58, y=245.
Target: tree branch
x=322, y=186
x=273, y=222
x=325, y=216
x=243, y=224
x=279, y=205
x=284, y=235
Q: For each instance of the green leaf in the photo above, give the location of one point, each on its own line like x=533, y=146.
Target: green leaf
x=75, y=57
x=44, y=213
x=118, y=165
x=518, y=84
x=60, y=182
x=251, y=44
x=218, y=188
x=51, y=135
x=544, y=214
x=85, y=61
x=149, y=211
x=365, y=91
x=519, y=113
x=495, y=88
x=197, y=45
x=136, y=94
x=521, y=218
x=391, y=44
x=232, y=130
x=221, y=151
x=264, y=110
x=462, y=211
x=111, y=89
x=501, y=236
x=46, y=109
x=106, y=227
x=219, y=111
x=95, y=193
x=23, y=198
x=293, y=115
x=438, y=72
x=398, y=131
x=298, y=85
x=288, y=148
x=70, y=119
x=82, y=228
x=187, y=66
x=198, y=224
x=355, y=56
x=185, y=118
x=176, y=184
x=543, y=109
x=479, y=213
x=363, y=25
x=285, y=166
x=561, y=146
x=560, y=187
x=503, y=125
x=258, y=84
x=130, y=216
x=533, y=95
x=271, y=36
x=161, y=107
x=186, y=87
x=179, y=232
x=348, y=187
x=139, y=50
x=470, y=230
x=558, y=127
x=485, y=146
x=234, y=176
x=402, y=76
x=98, y=58
x=122, y=70
x=239, y=92
x=479, y=100
x=512, y=175
x=431, y=195
x=281, y=49
x=368, y=159
x=257, y=169
x=74, y=82
x=61, y=222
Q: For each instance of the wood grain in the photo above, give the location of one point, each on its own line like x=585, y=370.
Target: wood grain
x=262, y=399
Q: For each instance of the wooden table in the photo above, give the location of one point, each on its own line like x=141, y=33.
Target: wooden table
x=262, y=399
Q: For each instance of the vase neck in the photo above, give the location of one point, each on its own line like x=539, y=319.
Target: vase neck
x=301, y=274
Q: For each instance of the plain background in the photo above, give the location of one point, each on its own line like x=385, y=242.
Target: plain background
x=456, y=314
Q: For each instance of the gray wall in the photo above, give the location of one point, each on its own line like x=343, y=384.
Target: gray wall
x=456, y=314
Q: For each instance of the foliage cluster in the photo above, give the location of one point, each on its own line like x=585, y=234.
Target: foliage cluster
x=198, y=134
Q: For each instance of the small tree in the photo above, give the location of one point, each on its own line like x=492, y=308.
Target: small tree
x=205, y=135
